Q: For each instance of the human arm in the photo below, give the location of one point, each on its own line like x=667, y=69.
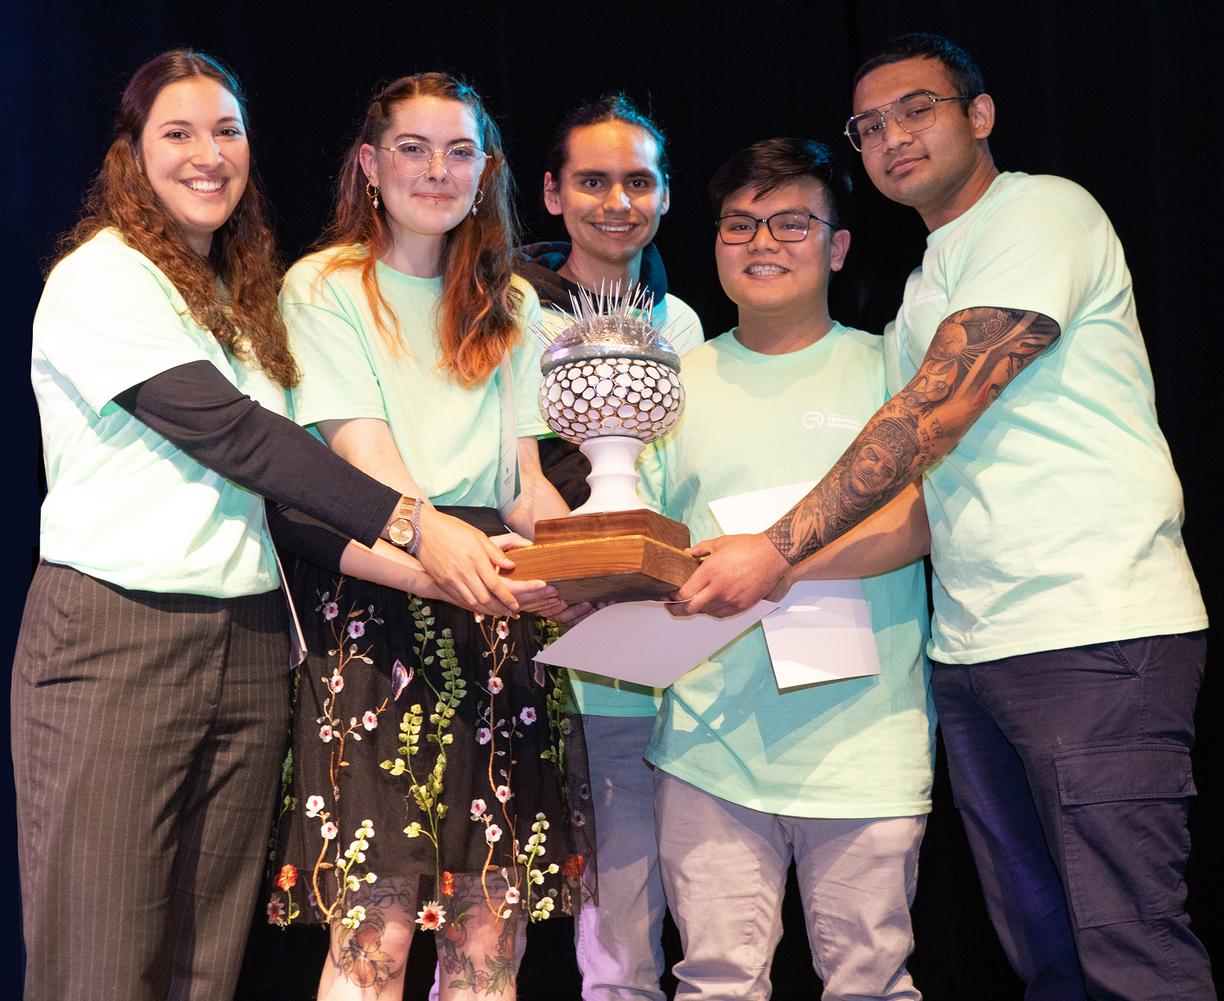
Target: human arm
x=463, y=561
x=974, y=355
x=538, y=498
x=195, y=408
x=897, y=534
x=383, y=563
x=298, y=533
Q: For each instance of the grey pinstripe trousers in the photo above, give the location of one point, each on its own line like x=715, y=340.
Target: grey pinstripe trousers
x=148, y=730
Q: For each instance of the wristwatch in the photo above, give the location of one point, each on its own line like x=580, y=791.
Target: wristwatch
x=404, y=530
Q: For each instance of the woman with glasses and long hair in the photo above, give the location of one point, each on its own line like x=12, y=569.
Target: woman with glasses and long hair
x=437, y=774
x=150, y=688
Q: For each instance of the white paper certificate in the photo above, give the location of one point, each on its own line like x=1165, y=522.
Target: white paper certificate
x=640, y=641
x=822, y=629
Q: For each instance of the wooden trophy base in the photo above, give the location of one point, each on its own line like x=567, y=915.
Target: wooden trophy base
x=614, y=556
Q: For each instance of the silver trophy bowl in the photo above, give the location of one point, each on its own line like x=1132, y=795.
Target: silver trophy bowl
x=611, y=385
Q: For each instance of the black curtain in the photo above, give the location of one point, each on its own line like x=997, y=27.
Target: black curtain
x=1122, y=98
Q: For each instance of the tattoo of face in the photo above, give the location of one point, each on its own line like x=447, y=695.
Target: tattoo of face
x=974, y=355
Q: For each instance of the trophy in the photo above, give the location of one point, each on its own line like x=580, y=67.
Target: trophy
x=611, y=385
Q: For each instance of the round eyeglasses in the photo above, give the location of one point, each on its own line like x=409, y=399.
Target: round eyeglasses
x=412, y=159
x=913, y=113
x=785, y=227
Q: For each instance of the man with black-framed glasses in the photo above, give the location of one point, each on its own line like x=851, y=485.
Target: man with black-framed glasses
x=836, y=776
x=1068, y=641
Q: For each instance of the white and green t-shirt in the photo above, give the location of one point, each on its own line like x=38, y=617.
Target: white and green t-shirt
x=855, y=748
x=123, y=504
x=1056, y=521
x=449, y=436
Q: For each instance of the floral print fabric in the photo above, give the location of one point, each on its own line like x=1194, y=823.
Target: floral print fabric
x=428, y=745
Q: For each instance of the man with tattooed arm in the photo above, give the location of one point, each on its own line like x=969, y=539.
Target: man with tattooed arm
x=1067, y=638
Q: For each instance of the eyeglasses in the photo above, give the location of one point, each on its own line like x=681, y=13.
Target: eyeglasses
x=913, y=113
x=785, y=227
x=412, y=159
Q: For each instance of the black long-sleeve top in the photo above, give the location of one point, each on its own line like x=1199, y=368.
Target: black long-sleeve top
x=311, y=489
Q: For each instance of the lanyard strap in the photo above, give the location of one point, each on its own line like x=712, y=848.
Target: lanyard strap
x=508, y=487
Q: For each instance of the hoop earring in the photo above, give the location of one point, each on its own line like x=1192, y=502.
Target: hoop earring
x=372, y=194
x=479, y=199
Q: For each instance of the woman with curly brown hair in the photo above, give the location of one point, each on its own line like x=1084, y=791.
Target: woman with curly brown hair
x=426, y=741
x=150, y=691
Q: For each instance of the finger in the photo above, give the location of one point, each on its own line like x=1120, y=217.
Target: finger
x=530, y=589
x=494, y=600
x=477, y=595
x=460, y=596
x=496, y=556
x=698, y=582
x=494, y=609
x=535, y=602
x=494, y=586
x=702, y=549
x=533, y=605
x=699, y=602
x=510, y=540
x=574, y=613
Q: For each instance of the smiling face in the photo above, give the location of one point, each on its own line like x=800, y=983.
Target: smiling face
x=939, y=171
x=194, y=151
x=611, y=195
x=421, y=210
x=766, y=276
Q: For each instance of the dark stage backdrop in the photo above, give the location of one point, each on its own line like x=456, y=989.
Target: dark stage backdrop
x=1122, y=97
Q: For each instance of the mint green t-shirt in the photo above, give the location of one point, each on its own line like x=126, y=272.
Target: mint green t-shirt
x=448, y=436
x=861, y=747
x=1056, y=521
x=123, y=504
x=594, y=694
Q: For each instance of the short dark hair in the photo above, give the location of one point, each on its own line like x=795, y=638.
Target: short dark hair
x=964, y=72
x=767, y=165
x=615, y=107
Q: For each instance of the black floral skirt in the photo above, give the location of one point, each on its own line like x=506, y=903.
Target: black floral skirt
x=427, y=745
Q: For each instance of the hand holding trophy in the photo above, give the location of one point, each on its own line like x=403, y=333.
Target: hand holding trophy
x=611, y=385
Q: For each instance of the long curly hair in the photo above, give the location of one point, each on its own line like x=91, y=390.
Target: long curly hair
x=232, y=292
x=476, y=323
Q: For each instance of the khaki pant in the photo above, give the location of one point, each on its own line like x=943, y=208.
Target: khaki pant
x=724, y=870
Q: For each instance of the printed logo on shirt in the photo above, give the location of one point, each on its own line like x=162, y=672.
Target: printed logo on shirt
x=814, y=419
x=927, y=295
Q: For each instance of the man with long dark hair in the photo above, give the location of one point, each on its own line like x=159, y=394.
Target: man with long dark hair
x=607, y=178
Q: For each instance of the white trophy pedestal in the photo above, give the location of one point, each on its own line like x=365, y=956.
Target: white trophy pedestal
x=612, y=548
x=613, y=478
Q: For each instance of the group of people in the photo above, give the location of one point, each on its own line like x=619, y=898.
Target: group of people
x=373, y=412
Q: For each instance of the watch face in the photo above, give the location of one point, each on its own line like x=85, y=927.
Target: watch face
x=400, y=531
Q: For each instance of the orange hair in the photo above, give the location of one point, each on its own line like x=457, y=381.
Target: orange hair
x=477, y=321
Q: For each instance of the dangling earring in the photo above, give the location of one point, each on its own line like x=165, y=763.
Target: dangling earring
x=479, y=199
x=372, y=194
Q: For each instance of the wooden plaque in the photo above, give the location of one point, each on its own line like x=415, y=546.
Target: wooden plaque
x=617, y=556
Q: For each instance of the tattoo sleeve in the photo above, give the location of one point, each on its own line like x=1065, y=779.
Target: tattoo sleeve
x=974, y=355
